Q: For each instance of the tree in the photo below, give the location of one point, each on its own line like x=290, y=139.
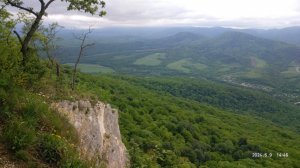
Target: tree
x=88, y=6
x=48, y=40
x=48, y=43
x=83, y=46
x=9, y=58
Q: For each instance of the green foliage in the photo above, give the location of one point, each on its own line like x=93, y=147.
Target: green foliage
x=247, y=61
x=225, y=96
x=151, y=60
x=176, y=122
x=181, y=65
x=164, y=130
x=11, y=70
x=55, y=150
x=22, y=155
x=92, y=68
x=89, y=6
x=29, y=125
x=10, y=57
x=51, y=149
x=18, y=135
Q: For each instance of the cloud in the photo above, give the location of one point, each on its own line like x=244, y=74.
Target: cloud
x=229, y=13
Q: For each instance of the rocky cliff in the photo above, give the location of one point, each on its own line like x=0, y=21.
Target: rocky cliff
x=98, y=131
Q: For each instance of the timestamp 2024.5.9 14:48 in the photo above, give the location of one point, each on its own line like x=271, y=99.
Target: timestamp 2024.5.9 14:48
x=269, y=155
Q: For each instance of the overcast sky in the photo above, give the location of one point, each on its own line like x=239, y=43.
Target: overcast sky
x=227, y=13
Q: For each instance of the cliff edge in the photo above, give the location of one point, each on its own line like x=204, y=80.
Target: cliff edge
x=98, y=132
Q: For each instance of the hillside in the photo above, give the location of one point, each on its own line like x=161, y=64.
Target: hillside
x=235, y=99
x=164, y=130
x=35, y=134
x=167, y=130
x=231, y=50
x=233, y=57
x=181, y=100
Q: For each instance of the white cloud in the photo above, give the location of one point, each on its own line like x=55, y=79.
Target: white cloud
x=230, y=13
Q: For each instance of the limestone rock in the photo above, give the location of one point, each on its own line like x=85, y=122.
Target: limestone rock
x=98, y=131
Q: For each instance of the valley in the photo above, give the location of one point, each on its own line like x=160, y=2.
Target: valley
x=232, y=56
x=149, y=84
x=191, y=100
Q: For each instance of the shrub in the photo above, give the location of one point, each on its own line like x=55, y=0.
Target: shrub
x=22, y=155
x=56, y=151
x=72, y=160
x=18, y=135
x=53, y=122
x=51, y=148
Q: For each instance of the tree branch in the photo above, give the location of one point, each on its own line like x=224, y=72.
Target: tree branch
x=19, y=37
x=30, y=10
x=83, y=46
x=47, y=5
x=88, y=45
x=42, y=4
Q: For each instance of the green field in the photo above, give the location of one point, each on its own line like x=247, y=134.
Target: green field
x=199, y=66
x=93, y=68
x=151, y=60
x=292, y=72
x=258, y=63
x=180, y=65
x=227, y=67
x=257, y=66
x=185, y=65
x=254, y=74
x=120, y=57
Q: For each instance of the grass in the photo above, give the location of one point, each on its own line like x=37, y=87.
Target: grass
x=26, y=119
x=253, y=74
x=120, y=57
x=258, y=63
x=179, y=66
x=226, y=67
x=256, y=71
x=199, y=66
x=93, y=68
x=151, y=60
x=185, y=65
x=291, y=72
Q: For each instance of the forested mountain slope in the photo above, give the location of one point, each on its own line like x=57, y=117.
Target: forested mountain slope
x=191, y=54
x=227, y=56
x=239, y=100
x=167, y=130
x=164, y=121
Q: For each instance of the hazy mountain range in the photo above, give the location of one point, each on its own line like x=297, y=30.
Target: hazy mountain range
x=232, y=55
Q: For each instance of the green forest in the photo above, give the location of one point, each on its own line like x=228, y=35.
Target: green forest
x=172, y=121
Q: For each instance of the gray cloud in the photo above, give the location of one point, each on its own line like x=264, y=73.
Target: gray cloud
x=166, y=13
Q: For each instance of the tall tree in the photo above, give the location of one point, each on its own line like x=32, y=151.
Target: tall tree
x=88, y=6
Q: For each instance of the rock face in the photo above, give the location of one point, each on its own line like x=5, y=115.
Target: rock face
x=98, y=131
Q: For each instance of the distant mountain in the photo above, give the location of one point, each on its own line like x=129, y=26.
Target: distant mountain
x=241, y=45
x=289, y=35
x=240, y=48
x=232, y=54
x=183, y=36
x=114, y=34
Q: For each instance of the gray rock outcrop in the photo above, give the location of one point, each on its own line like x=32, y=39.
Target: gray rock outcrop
x=98, y=130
